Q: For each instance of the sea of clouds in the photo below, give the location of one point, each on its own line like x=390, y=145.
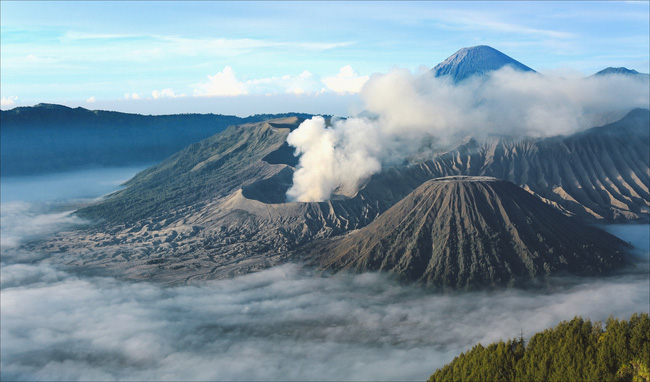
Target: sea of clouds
x=279, y=324
x=284, y=323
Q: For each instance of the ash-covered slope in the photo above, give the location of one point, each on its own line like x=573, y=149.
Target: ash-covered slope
x=476, y=60
x=468, y=232
x=203, y=171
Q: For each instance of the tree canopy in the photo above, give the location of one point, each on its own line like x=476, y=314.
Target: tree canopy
x=576, y=350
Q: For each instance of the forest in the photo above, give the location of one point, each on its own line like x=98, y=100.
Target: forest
x=576, y=350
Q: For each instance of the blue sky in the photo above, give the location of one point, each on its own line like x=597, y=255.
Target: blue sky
x=251, y=57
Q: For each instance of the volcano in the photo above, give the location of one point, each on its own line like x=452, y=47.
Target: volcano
x=468, y=232
x=476, y=60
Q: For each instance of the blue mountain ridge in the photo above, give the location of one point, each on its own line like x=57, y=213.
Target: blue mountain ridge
x=621, y=71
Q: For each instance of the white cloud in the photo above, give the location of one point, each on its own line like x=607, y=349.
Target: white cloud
x=75, y=35
x=222, y=84
x=23, y=221
x=165, y=93
x=226, y=84
x=482, y=22
x=304, y=83
x=290, y=325
x=347, y=81
x=305, y=74
x=411, y=108
x=8, y=101
x=91, y=99
x=133, y=95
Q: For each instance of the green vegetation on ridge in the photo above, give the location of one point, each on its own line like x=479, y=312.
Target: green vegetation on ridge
x=577, y=350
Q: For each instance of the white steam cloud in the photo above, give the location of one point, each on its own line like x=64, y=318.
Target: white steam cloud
x=343, y=156
x=410, y=109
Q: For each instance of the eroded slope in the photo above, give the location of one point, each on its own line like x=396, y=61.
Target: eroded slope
x=469, y=232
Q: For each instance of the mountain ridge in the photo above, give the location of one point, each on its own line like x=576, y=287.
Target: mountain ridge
x=54, y=138
x=619, y=71
x=229, y=216
x=579, y=173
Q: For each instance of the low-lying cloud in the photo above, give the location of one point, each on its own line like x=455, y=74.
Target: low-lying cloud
x=409, y=109
x=38, y=206
x=22, y=221
x=280, y=324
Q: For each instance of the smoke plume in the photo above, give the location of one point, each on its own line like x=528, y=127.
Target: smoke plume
x=414, y=113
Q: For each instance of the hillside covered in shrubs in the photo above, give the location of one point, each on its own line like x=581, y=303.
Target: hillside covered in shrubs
x=576, y=350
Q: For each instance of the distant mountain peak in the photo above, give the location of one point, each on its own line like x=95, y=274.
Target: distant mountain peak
x=619, y=70
x=475, y=60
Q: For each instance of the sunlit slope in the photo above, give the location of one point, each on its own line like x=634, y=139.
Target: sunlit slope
x=470, y=232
